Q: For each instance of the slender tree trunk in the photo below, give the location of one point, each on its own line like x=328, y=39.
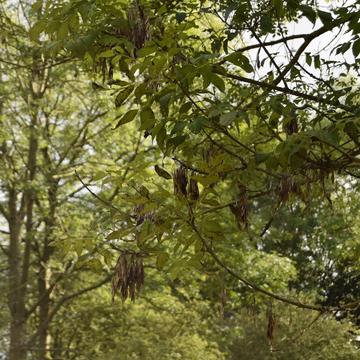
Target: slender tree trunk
x=44, y=307
x=44, y=274
x=19, y=261
x=17, y=349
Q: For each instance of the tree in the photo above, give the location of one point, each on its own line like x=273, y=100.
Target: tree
x=49, y=127
x=286, y=136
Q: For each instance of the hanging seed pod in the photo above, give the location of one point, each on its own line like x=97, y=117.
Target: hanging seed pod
x=128, y=277
x=193, y=190
x=110, y=71
x=223, y=299
x=150, y=216
x=180, y=181
x=209, y=153
x=291, y=125
x=270, y=328
x=103, y=70
x=139, y=274
x=240, y=208
x=286, y=187
x=139, y=24
x=139, y=214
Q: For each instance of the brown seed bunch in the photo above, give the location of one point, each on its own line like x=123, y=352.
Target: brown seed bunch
x=139, y=214
x=287, y=187
x=180, y=181
x=209, y=153
x=139, y=24
x=129, y=276
x=137, y=29
x=291, y=127
x=240, y=208
x=193, y=190
x=271, y=328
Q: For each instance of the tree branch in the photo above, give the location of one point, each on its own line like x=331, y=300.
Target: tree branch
x=64, y=300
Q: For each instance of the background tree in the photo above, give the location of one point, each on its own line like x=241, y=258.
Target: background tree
x=248, y=153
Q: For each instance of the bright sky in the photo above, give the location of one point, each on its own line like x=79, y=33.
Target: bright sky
x=323, y=44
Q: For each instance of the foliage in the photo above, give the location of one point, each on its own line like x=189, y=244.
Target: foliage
x=223, y=178
x=261, y=141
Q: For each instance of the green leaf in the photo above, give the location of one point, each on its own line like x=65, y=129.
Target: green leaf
x=197, y=124
x=279, y=6
x=317, y=61
x=36, y=30
x=309, y=13
x=74, y=22
x=212, y=226
x=162, y=173
x=145, y=51
x=97, y=86
x=228, y=118
x=118, y=82
x=147, y=118
x=343, y=48
x=325, y=17
x=180, y=16
x=62, y=31
x=218, y=82
x=118, y=234
x=144, y=191
x=352, y=131
x=161, y=260
x=241, y=60
x=261, y=157
x=206, y=180
x=308, y=58
x=266, y=24
x=126, y=118
x=356, y=48
x=123, y=95
x=185, y=107
x=37, y=5
x=177, y=140
x=160, y=137
x=106, y=54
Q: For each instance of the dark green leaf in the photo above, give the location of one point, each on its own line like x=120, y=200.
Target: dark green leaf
x=97, y=86
x=356, y=48
x=218, y=82
x=309, y=13
x=129, y=116
x=241, y=60
x=228, y=118
x=161, y=260
x=197, y=124
x=317, y=61
x=177, y=140
x=325, y=17
x=163, y=173
x=123, y=95
x=36, y=30
x=266, y=24
x=147, y=118
x=180, y=16
x=185, y=107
